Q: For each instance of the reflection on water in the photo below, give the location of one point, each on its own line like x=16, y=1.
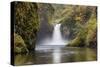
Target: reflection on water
x=56, y=55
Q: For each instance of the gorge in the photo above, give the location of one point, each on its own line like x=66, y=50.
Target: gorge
x=54, y=33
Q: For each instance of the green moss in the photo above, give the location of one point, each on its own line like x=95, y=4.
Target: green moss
x=92, y=32
x=82, y=26
x=87, y=35
x=19, y=45
x=75, y=42
x=27, y=22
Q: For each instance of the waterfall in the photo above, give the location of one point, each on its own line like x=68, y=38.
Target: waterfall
x=57, y=38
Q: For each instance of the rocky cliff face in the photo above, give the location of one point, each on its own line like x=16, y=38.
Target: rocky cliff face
x=78, y=23
x=45, y=12
x=30, y=19
x=26, y=22
x=80, y=26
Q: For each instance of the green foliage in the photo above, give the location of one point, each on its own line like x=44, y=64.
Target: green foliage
x=19, y=44
x=86, y=35
x=26, y=22
x=46, y=12
x=81, y=23
x=85, y=38
x=92, y=32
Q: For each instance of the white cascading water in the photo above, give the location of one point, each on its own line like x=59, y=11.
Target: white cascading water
x=57, y=38
x=52, y=43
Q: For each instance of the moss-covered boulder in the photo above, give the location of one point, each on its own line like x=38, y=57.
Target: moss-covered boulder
x=19, y=44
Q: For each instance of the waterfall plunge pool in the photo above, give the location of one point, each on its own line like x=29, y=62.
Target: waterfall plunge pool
x=53, y=50
x=57, y=55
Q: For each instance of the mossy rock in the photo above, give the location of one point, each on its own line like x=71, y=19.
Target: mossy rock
x=19, y=45
x=77, y=42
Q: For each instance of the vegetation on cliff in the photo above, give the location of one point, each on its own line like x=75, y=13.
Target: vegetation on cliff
x=29, y=17
x=81, y=25
x=45, y=13
x=78, y=24
x=26, y=23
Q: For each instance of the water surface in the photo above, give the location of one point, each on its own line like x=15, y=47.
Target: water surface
x=56, y=54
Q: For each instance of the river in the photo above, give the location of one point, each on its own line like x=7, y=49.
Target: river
x=54, y=54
